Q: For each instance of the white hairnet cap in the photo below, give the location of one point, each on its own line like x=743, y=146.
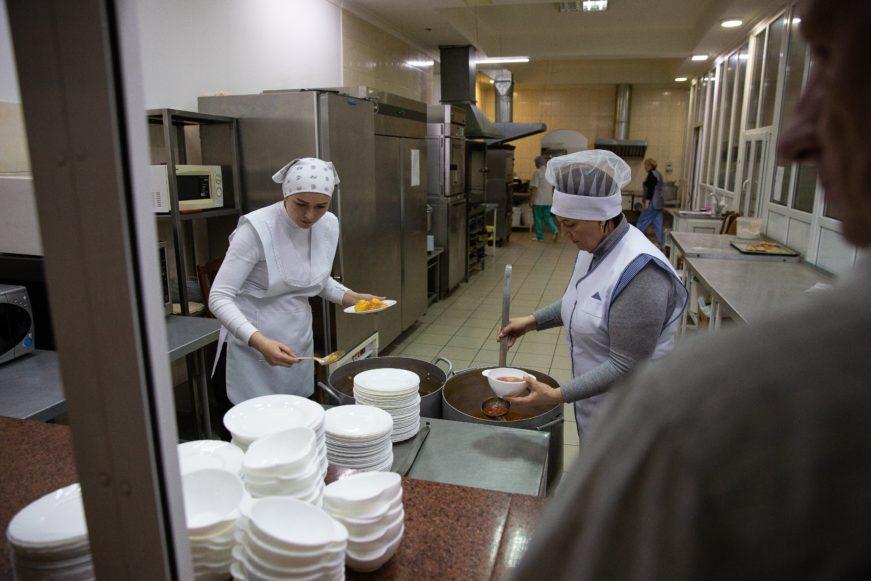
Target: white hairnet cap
x=595, y=173
x=307, y=174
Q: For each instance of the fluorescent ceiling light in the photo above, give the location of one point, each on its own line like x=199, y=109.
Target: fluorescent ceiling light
x=594, y=5
x=680, y=79
x=796, y=20
x=492, y=82
x=732, y=23
x=419, y=64
x=700, y=57
x=503, y=59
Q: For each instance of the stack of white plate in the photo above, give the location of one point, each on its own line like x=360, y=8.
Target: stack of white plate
x=284, y=538
x=48, y=538
x=370, y=507
x=285, y=464
x=269, y=414
x=394, y=391
x=201, y=454
x=211, y=502
x=358, y=437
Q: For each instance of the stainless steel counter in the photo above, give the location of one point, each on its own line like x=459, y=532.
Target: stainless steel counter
x=30, y=387
x=479, y=456
x=696, y=245
x=748, y=290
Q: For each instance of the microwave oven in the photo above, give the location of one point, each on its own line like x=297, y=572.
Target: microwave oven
x=200, y=187
x=16, y=323
x=163, y=258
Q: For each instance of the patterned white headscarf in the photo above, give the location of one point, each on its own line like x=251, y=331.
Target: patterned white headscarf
x=307, y=174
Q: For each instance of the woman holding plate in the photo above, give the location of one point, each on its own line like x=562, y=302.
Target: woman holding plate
x=279, y=257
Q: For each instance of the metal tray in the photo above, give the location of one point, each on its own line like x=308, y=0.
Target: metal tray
x=780, y=250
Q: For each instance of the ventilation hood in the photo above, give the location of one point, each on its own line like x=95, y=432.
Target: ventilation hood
x=458, y=71
x=628, y=148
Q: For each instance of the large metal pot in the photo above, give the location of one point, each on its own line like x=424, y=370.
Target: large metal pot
x=464, y=393
x=432, y=378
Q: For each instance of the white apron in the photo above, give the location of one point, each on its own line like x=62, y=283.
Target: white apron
x=588, y=299
x=282, y=311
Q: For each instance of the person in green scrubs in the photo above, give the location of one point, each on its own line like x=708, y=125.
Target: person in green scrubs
x=541, y=199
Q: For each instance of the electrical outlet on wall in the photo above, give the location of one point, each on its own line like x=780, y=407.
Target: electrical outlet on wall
x=669, y=166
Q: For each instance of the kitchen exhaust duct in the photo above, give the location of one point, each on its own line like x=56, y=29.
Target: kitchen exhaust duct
x=621, y=144
x=458, y=71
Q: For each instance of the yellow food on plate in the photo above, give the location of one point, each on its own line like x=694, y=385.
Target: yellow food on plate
x=364, y=305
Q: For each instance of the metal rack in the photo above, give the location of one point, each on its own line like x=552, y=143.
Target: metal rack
x=219, y=145
x=477, y=229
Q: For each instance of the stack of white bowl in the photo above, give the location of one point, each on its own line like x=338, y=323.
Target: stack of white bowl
x=269, y=414
x=284, y=538
x=201, y=454
x=370, y=506
x=211, y=501
x=48, y=538
x=286, y=463
x=358, y=437
x=394, y=391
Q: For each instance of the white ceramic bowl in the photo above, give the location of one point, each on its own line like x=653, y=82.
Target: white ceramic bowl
x=377, y=540
x=360, y=494
x=268, y=414
x=292, y=524
x=365, y=563
x=306, y=557
x=507, y=388
x=284, y=452
x=201, y=454
x=211, y=500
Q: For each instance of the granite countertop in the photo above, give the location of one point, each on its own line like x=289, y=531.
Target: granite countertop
x=450, y=531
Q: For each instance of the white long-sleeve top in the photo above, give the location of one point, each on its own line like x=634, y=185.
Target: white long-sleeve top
x=244, y=271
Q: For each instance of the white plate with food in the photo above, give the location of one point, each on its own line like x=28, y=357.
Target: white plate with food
x=369, y=307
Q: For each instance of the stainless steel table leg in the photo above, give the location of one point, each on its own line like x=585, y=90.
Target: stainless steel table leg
x=203, y=387
x=713, y=323
x=686, y=311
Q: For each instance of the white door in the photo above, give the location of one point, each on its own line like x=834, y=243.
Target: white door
x=754, y=172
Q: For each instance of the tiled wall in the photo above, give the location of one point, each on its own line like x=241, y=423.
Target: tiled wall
x=657, y=115
x=13, y=140
x=373, y=57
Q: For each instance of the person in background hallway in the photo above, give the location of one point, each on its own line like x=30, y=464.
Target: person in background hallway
x=541, y=199
x=747, y=456
x=652, y=213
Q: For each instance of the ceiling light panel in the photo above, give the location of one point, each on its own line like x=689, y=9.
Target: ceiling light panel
x=503, y=60
x=594, y=5
x=732, y=23
x=700, y=57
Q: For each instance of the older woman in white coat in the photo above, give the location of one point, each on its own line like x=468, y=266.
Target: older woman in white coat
x=279, y=257
x=623, y=301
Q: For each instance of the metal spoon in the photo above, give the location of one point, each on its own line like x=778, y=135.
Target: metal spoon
x=327, y=360
x=496, y=407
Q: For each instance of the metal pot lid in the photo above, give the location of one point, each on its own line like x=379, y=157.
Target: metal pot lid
x=468, y=389
x=432, y=377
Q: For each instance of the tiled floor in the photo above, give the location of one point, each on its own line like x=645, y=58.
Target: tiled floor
x=462, y=328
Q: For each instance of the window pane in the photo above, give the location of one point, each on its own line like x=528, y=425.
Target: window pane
x=740, y=76
x=780, y=187
x=831, y=212
x=725, y=117
x=712, y=127
x=794, y=70
x=753, y=101
x=773, y=56
x=805, y=188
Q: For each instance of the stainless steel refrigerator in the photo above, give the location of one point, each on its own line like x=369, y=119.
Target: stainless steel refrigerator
x=276, y=127
x=446, y=145
x=400, y=208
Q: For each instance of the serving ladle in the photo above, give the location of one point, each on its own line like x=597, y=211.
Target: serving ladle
x=497, y=407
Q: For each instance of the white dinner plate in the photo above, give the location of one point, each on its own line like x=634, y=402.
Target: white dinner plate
x=54, y=520
x=356, y=422
x=389, y=302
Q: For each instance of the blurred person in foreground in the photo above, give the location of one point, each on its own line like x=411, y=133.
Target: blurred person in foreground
x=747, y=456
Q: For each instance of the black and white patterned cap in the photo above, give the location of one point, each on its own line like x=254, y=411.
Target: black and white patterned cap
x=307, y=174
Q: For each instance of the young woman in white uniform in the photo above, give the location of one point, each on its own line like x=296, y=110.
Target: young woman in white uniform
x=279, y=257
x=624, y=298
